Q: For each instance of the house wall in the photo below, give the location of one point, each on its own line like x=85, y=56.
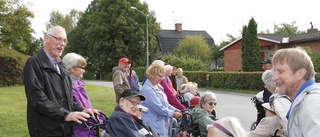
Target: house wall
x=232, y=57
x=232, y=54
x=232, y=60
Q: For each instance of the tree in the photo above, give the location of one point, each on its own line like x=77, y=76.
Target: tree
x=194, y=47
x=315, y=57
x=186, y=62
x=217, y=53
x=34, y=46
x=109, y=30
x=286, y=29
x=15, y=30
x=250, y=47
x=68, y=21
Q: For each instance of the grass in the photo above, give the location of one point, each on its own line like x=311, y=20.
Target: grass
x=13, y=104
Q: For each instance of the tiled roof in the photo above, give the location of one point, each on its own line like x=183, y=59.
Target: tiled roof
x=293, y=38
x=169, y=39
x=278, y=38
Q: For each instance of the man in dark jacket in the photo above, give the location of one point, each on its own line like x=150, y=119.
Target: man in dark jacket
x=50, y=105
x=124, y=121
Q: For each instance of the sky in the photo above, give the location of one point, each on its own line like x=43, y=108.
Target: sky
x=217, y=18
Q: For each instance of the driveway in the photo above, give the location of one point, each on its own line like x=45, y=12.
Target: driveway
x=229, y=104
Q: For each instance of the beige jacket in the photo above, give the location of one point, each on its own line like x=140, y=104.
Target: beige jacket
x=266, y=127
x=120, y=82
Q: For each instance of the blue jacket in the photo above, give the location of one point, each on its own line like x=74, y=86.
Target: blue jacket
x=158, y=114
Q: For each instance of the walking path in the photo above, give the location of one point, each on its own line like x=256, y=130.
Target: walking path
x=229, y=104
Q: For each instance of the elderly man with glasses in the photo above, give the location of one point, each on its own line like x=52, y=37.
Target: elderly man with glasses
x=51, y=109
x=125, y=121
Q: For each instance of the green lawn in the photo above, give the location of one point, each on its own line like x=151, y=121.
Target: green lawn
x=13, y=107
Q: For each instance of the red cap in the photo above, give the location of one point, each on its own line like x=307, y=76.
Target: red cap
x=124, y=60
x=195, y=101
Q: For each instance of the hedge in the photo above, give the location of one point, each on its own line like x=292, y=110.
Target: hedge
x=11, y=64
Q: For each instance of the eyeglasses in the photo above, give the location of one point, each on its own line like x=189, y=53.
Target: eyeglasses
x=80, y=67
x=212, y=103
x=59, y=39
x=134, y=103
x=161, y=76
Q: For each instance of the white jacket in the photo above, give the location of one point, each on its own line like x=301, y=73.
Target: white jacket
x=304, y=120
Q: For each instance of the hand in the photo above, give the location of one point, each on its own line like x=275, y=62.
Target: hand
x=177, y=115
x=77, y=117
x=91, y=111
x=210, y=132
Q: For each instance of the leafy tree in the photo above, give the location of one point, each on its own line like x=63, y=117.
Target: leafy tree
x=109, y=30
x=186, y=62
x=250, y=47
x=194, y=47
x=68, y=21
x=284, y=28
x=216, y=53
x=34, y=46
x=15, y=30
x=287, y=29
x=315, y=57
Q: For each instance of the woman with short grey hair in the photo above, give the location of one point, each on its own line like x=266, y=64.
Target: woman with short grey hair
x=267, y=80
x=208, y=101
x=75, y=65
x=201, y=115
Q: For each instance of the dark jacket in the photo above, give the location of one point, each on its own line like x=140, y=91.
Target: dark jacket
x=122, y=124
x=173, y=81
x=49, y=97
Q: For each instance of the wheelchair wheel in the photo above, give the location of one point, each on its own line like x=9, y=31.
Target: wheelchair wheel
x=253, y=126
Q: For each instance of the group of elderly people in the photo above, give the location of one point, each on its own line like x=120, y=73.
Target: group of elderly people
x=159, y=97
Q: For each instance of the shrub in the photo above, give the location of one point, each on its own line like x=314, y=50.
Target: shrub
x=11, y=64
x=186, y=63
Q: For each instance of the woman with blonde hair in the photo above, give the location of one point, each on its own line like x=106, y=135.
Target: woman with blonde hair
x=160, y=111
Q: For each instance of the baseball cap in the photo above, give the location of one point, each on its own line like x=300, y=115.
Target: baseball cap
x=129, y=93
x=267, y=61
x=125, y=60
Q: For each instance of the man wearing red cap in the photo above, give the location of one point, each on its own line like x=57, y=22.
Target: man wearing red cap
x=119, y=78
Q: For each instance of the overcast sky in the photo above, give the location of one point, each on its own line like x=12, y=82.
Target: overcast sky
x=218, y=18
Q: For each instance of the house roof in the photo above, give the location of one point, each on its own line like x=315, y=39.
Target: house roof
x=277, y=38
x=168, y=39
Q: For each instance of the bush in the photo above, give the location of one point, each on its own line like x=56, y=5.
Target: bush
x=229, y=80
x=141, y=72
x=226, y=80
x=11, y=64
x=186, y=63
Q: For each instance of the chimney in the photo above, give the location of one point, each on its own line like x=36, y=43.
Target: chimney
x=312, y=30
x=178, y=27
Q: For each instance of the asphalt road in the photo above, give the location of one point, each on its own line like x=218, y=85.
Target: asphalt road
x=229, y=104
